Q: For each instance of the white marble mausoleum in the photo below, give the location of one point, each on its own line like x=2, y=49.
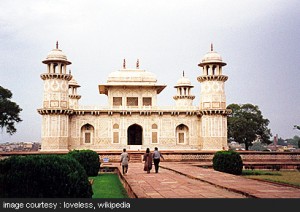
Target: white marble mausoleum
x=132, y=118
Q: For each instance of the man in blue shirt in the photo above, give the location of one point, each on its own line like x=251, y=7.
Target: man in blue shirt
x=156, y=158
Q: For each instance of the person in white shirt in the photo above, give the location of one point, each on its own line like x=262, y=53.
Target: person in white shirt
x=124, y=161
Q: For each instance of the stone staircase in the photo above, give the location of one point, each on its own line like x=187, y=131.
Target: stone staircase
x=135, y=157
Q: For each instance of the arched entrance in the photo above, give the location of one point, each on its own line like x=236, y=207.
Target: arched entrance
x=135, y=135
x=182, y=134
x=87, y=134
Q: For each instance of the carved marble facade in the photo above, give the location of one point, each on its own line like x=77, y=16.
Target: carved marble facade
x=132, y=119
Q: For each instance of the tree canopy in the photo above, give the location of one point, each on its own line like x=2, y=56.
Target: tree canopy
x=9, y=111
x=246, y=124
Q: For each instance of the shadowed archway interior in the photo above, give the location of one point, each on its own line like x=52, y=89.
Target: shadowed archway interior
x=134, y=135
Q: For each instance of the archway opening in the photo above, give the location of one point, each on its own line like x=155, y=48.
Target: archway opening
x=135, y=135
x=87, y=134
x=182, y=134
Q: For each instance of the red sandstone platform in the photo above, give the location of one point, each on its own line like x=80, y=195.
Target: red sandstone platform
x=187, y=180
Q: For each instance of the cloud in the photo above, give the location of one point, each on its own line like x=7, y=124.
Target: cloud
x=257, y=39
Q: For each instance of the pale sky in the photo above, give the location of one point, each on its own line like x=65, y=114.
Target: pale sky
x=258, y=39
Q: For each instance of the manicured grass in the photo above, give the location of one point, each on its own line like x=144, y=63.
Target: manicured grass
x=260, y=172
x=285, y=176
x=108, y=185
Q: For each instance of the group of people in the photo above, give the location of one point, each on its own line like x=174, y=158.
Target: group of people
x=148, y=158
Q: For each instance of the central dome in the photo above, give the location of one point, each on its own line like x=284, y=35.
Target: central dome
x=138, y=78
x=131, y=76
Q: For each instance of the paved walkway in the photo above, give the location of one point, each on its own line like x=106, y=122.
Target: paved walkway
x=186, y=180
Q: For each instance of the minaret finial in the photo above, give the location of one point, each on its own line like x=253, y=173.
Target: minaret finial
x=183, y=73
x=56, y=44
x=137, y=64
x=211, y=47
x=124, y=64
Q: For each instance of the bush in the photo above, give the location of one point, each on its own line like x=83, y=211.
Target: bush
x=43, y=176
x=89, y=159
x=228, y=161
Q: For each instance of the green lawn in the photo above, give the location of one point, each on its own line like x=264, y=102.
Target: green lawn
x=108, y=185
x=291, y=177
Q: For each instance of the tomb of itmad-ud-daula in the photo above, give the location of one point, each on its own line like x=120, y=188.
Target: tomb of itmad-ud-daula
x=132, y=119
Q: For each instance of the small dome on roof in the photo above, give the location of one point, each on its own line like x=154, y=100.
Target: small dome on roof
x=183, y=81
x=212, y=57
x=73, y=83
x=56, y=55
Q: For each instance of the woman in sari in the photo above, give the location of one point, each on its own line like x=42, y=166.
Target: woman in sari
x=148, y=160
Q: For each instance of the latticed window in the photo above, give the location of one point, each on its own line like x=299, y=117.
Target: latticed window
x=87, y=137
x=154, y=138
x=132, y=101
x=117, y=101
x=116, y=137
x=154, y=134
x=115, y=133
x=180, y=137
x=147, y=101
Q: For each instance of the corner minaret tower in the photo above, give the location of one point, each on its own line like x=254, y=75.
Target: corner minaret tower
x=213, y=102
x=55, y=110
x=73, y=96
x=183, y=97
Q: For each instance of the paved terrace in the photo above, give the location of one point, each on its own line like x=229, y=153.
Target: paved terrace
x=187, y=180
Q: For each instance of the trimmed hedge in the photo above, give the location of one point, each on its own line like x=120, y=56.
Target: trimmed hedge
x=228, y=161
x=43, y=176
x=89, y=159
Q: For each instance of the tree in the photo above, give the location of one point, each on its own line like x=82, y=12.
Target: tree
x=293, y=141
x=246, y=124
x=281, y=141
x=257, y=146
x=298, y=128
x=9, y=111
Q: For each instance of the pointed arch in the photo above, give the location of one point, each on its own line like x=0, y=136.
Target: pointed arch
x=87, y=134
x=182, y=134
x=135, y=135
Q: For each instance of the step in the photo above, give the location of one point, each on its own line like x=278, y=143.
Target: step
x=135, y=158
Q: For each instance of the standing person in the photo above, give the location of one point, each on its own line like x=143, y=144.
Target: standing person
x=148, y=160
x=156, y=158
x=124, y=161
